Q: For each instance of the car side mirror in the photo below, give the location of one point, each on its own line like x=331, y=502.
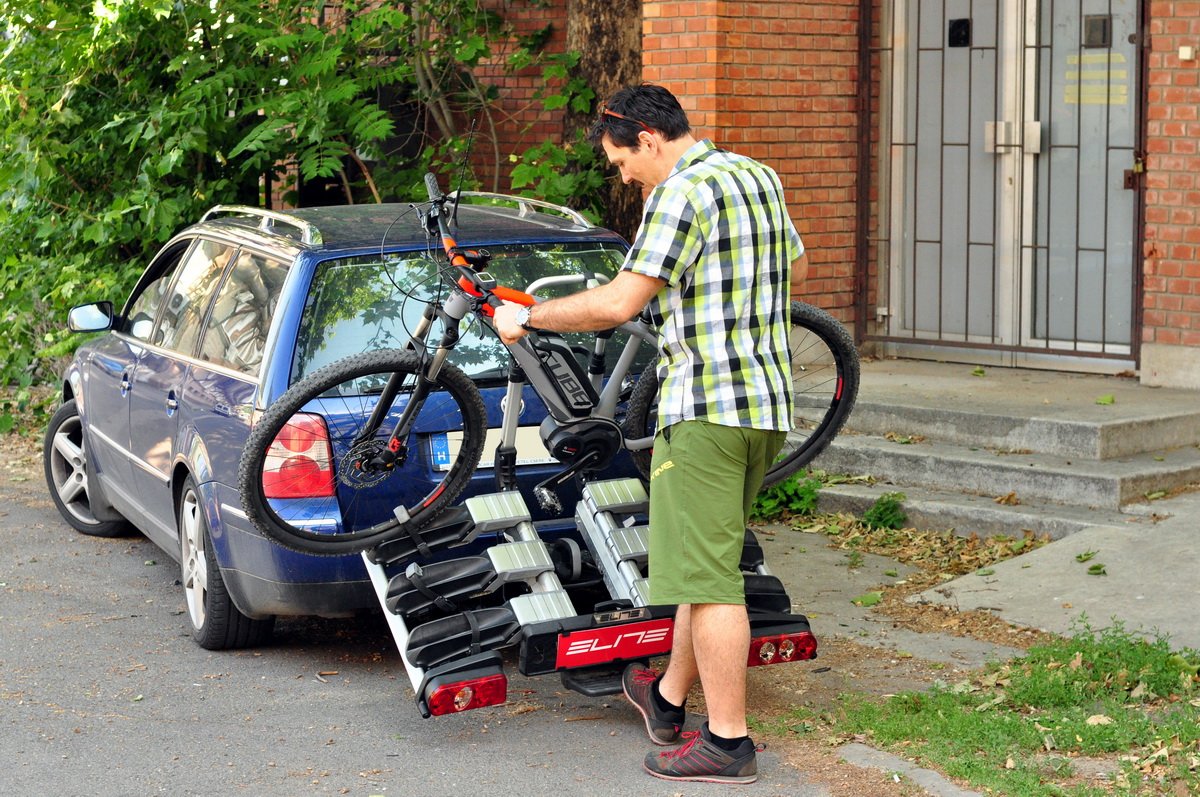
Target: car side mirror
x=95, y=317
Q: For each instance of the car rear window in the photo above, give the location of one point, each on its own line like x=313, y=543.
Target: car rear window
x=362, y=304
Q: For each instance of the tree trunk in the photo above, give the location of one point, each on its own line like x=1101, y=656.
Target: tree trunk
x=608, y=36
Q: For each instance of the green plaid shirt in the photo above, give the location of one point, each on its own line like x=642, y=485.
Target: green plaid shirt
x=717, y=231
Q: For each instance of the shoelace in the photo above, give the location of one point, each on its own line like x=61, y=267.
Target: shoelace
x=643, y=677
x=693, y=738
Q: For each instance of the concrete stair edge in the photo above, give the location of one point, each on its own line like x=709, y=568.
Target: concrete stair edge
x=946, y=466
x=1093, y=439
x=967, y=514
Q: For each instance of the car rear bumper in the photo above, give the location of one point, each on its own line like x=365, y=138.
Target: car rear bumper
x=264, y=597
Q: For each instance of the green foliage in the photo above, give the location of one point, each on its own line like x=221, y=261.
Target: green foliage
x=123, y=121
x=886, y=513
x=1015, y=728
x=791, y=496
x=569, y=174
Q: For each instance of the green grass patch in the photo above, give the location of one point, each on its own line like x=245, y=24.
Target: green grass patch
x=886, y=513
x=1016, y=728
x=792, y=496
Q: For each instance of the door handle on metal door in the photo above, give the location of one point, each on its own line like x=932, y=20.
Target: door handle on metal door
x=125, y=384
x=172, y=403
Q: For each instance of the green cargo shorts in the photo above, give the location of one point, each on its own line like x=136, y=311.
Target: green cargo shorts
x=703, y=481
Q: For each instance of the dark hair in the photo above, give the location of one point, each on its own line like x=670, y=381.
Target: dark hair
x=652, y=106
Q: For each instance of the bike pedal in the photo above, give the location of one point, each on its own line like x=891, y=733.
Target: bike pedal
x=548, y=500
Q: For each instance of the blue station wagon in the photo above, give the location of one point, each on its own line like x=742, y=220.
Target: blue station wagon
x=156, y=410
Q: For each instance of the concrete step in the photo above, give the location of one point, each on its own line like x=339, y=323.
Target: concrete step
x=1106, y=484
x=1090, y=432
x=967, y=514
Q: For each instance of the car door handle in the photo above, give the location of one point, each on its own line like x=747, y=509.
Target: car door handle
x=125, y=383
x=172, y=403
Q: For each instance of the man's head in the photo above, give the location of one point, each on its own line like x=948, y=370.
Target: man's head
x=638, y=109
x=643, y=130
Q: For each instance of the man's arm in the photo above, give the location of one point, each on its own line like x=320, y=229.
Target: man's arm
x=603, y=307
x=799, y=271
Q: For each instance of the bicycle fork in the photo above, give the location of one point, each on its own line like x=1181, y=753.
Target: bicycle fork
x=396, y=452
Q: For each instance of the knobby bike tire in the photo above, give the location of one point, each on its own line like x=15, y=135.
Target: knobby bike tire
x=362, y=511
x=825, y=374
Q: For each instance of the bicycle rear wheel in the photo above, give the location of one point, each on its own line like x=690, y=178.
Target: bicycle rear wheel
x=825, y=373
x=313, y=480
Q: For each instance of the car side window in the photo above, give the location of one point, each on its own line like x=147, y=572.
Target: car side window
x=179, y=327
x=237, y=326
x=144, y=306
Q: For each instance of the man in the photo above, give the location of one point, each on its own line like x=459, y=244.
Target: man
x=715, y=252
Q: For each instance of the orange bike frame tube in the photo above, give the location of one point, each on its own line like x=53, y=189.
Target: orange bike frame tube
x=500, y=292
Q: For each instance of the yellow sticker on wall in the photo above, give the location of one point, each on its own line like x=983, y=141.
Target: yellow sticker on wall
x=1096, y=79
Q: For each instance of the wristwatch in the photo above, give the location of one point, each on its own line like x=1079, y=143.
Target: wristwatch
x=522, y=319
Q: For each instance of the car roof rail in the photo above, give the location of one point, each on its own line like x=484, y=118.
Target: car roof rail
x=528, y=206
x=309, y=234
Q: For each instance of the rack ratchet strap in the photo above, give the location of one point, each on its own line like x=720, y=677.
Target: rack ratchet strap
x=474, y=623
x=415, y=576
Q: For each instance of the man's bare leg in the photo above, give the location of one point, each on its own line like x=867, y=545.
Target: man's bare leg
x=681, y=671
x=711, y=643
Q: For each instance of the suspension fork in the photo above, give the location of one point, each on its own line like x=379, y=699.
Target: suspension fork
x=427, y=373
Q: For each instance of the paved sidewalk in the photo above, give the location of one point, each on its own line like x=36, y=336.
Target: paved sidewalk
x=1151, y=582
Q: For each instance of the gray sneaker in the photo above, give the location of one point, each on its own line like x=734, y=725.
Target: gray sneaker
x=700, y=759
x=662, y=726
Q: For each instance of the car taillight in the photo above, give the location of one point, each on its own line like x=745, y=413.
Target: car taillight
x=299, y=461
x=782, y=648
x=490, y=690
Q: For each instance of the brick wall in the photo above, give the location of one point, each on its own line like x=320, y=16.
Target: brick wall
x=1172, y=265
x=775, y=80
x=1171, y=304
x=520, y=121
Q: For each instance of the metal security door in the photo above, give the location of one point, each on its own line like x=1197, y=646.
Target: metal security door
x=1081, y=235
x=1011, y=127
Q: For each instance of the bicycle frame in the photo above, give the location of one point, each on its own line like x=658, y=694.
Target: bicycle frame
x=543, y=357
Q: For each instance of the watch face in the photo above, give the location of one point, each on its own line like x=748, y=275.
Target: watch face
x=523, y=316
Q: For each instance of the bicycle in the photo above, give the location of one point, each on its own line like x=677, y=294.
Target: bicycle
x=367, y=413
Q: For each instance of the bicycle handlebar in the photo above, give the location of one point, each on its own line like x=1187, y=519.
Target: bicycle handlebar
x=431, y=185
x=469, y=282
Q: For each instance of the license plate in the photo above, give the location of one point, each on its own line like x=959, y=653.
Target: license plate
x=530, y=449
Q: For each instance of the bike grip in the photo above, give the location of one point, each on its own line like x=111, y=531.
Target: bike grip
x=513, y=295
x=495, y=296
x=431, y=185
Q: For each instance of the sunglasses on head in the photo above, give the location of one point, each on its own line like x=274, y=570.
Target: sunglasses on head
x=622, y=117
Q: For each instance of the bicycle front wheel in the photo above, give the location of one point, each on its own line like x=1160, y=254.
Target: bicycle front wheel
x=315, y=479
x=825, y=373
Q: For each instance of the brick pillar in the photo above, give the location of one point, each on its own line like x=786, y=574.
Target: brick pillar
x=1171, y=319
x=775, y=80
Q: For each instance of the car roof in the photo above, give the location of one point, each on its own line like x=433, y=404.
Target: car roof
x=396, y=225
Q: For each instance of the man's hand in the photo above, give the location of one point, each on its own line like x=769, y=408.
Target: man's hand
x=505, y=321
x=604, y=307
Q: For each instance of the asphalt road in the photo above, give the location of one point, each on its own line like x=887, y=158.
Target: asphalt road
x=103, y=692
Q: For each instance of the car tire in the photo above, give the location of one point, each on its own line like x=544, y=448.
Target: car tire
x=64, y=459
x=217, y=624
